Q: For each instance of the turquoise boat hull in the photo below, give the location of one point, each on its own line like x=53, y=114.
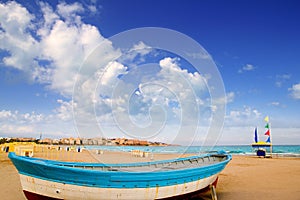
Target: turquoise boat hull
x=165, y=179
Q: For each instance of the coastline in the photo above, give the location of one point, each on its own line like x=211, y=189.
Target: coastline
x=245, y=177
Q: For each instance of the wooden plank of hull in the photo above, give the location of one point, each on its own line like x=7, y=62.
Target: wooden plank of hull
x=191, y=195
x=44, y=189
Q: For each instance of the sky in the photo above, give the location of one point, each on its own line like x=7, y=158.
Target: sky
x=191, y=73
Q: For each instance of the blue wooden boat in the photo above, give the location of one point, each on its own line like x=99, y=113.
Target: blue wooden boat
x=166, y=179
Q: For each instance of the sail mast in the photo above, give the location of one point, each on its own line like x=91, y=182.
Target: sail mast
x=269, y=133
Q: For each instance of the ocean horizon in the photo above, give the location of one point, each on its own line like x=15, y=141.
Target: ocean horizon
x=279, y=150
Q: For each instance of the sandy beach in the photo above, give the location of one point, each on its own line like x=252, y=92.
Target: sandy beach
x=245, y=177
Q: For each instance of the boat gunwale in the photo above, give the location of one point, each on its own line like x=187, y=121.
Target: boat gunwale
x=114, y=179
x=79, y=166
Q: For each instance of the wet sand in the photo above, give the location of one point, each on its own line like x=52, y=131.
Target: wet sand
x=245, y=177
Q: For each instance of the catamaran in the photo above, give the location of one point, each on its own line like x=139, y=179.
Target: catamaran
x=262, y=145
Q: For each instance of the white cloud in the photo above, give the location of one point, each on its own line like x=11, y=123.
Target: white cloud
x=141, y=48
x=177, y=92
x=136, y=54
x=226, y=99
x=16, y=124
x=275, y=103
x=163, y=98
x=243, y=117
x=246, y=68
x=199, y=55
x=63, y=43
x=92, y=8
x=65, y=110
x=16, y=130
x=66, y=46
x=230, y=97
x=280, y=79
x=188, y=87
x=57, y=59
x=4, y=114
x=62, y=50
x=28, y=118
x=171, y=71
x=295, y=91
x=69, y=11
x=15, y=38
x=113, y=70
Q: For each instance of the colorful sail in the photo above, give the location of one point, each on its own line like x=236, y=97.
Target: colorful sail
x=255, y=135
x=267, y=118
x=268, y=132
x=267, y=126
x=260, y=144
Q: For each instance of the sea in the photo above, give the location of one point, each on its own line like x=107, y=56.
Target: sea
x=277, y=150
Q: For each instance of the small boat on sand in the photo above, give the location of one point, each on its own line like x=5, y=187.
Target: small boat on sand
x=166, y=179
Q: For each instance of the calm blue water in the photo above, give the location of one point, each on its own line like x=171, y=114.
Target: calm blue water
x=281, y=150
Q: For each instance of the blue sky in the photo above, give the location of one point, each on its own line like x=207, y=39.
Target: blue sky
x=254, y=44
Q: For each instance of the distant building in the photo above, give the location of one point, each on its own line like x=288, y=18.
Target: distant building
x=46, y=141
x=90, y=141
x=55, y=141
x=25, y=139
x=144, y=143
